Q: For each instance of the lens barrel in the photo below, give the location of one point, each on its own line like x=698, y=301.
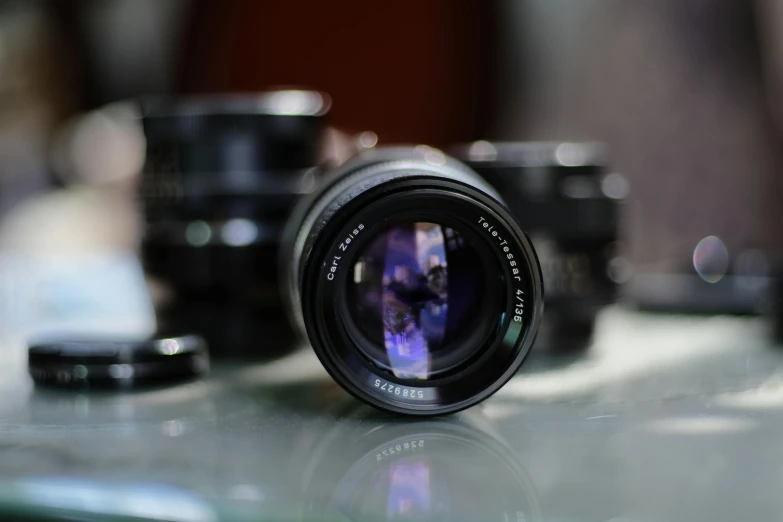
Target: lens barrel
x=416, y=287
x=564, y=197
x=222, y=175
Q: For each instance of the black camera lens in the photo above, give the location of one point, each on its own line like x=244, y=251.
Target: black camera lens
x=222, y=176
x=565, y=198
x=417, y=289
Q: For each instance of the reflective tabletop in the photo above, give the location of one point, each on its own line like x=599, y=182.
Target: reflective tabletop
x=663, y=418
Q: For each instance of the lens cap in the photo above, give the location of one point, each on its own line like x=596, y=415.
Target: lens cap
x=102, y=362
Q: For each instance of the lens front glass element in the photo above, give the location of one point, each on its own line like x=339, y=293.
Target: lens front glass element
x=421, y=300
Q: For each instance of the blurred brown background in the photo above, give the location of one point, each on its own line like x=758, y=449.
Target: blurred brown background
x=684, y=92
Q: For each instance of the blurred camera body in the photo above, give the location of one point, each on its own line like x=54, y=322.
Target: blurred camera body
x=567, y=202
x=221, y=176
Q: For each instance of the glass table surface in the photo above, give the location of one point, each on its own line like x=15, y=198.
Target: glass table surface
x=664, y=418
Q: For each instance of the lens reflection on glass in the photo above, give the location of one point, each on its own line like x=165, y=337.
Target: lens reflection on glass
x=414, y=286
x=409, y=488
x=380, y=470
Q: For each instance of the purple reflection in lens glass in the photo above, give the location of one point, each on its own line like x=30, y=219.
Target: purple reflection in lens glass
x=415, y=297
x=414, y=300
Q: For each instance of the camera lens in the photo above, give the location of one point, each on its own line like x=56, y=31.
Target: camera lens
x=415, y=286
x=221, y=177
x=569, y=203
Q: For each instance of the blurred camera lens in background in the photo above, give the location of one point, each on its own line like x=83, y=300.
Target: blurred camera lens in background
x=566, y=200
x=221, y=176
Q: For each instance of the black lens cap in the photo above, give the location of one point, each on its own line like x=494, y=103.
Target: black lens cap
x=102, y=362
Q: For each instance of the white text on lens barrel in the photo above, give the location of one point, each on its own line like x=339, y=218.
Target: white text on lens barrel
x=504, y=244
x=343, y=246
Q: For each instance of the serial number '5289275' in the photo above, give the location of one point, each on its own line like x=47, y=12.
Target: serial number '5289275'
x=400, y=391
